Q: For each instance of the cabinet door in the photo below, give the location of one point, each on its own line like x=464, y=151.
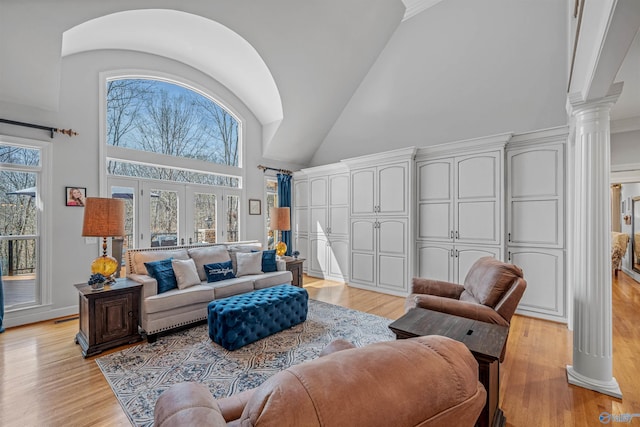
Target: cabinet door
x=318, y=256
x=318, y=205
x=363, y=256
x=435, y=261
x=392, y=253
x=535, y=196
x=300, y=220
x=392, y=183
x=466, y=256
x=544, y=272
x=435, y=200
x=300, y=193
x=363, y=191
x=478, y=202
x=302, y=246
x=338, y=259
x=114, y=317
x=339, y=190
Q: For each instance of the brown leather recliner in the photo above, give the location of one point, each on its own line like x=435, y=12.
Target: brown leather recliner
x=491, y=293
x=424, y=381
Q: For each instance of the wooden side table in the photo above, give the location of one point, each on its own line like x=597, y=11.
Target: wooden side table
x=109, y=317
x=485, y=340
x=294, y=265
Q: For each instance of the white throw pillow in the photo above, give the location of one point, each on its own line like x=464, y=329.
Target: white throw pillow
x=249, y=263
x=186, y=273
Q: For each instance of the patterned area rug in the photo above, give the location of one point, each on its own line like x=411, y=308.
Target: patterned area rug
x=138, y=375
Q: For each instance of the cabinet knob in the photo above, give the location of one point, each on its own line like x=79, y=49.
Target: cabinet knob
x=130, y=314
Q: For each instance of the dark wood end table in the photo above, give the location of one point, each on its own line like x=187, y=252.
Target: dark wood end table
x=108, y=317
x=294, y=265
x=484, y=340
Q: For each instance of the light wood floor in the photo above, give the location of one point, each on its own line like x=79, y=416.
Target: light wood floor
x=44, y=381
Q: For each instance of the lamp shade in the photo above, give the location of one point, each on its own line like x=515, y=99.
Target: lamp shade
x=280, y=219
x=103, y=217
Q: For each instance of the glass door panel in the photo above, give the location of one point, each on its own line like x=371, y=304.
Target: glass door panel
x=163, y=218
x=233, y=213
x=19, y=238
x=205, y=213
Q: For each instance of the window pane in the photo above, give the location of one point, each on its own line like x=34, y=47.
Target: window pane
x=18, y=203
x=128, y=195
x=161, y=117
x=18, y=258
x=232, y=218
x=19, y=156
x=204, y=217
x=164, y=218
x=168, y=174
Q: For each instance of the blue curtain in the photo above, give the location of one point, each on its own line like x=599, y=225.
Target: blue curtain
x=284, y=201
x=1, y=301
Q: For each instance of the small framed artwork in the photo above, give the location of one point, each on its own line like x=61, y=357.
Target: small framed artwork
x=254, y=207
x=75, y=196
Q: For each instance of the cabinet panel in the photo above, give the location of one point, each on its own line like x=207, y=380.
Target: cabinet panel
x=435, y=180
x=301, y=193
x=318, y=191
x=113, y=317
x=362, y=268
x=435, y=261
x=478, y=222
x=339, y=220
x=301, y=220
x=338, y=258
x=544, y=273
x=466, y=256
x=477, y=176
x=434, y=221
x=537, y=172
x=535, y=221
x=302, y=245
x=363, y=191
x=339, y=190
x=363, y=235
x=392, y=183
x=392, y=271
x=318, y=258
x=392, y=236
x=318, y=220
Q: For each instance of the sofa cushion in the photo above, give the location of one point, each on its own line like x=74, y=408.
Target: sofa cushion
x=162, y=271
x=229, y=287
x=185, y=271
x=267, y=280
x=249, y=263
x=178, y=298
x=208, y=255
x=139, y=258
x=219, y=271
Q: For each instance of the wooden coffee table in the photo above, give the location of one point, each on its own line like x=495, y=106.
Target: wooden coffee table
x=485, y=340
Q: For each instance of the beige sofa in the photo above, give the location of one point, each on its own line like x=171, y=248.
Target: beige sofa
x=181, y=307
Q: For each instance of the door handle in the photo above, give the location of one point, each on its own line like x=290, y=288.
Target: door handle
x=190, y=241
x=457, y=235
x=456, y=253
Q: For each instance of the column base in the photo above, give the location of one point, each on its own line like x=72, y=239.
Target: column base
x=610, y=388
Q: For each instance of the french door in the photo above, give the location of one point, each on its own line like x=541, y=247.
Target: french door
x=169, y=214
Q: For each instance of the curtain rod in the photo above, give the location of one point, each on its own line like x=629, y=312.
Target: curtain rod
x=69, y=132
x=265, y=168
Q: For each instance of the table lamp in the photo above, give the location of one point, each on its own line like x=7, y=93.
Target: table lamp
x=104, y=218
x=280, y=220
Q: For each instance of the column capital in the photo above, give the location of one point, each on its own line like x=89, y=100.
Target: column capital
x=576, y=102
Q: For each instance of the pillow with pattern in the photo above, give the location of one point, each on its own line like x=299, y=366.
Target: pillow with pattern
x=219, y=271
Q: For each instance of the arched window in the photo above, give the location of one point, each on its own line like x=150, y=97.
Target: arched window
x=174, y=153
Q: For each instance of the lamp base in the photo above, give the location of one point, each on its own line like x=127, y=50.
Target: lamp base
x=281, y=248
x=104, y=265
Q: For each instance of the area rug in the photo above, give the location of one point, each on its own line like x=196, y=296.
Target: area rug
x=138, y=375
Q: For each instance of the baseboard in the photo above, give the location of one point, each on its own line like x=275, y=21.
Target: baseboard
x=20, y=318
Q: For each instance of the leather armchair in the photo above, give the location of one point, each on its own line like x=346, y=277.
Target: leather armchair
x=491, y=293
x=426, y=381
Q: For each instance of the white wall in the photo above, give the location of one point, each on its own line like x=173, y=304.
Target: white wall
x=75, y=162
x=463, y=69
x=625, y=148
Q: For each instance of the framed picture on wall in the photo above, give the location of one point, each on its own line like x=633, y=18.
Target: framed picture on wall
x=75, y=196
x=254, y=207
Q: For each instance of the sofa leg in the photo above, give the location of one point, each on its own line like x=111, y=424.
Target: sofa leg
x=152, y=338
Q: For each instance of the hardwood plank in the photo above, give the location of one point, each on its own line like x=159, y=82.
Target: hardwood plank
x=45, y=381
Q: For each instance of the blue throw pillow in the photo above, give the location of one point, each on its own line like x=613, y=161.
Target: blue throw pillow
x=162, y=271
x=219, y=271
x=269, y=261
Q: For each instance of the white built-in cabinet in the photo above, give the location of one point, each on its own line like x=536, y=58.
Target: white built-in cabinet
x=459, y=206
x=328, y=222
x=300, y=216
x=535, y=219
x=381, y=200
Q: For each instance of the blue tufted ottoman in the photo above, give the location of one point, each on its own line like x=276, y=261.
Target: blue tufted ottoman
x=242, y=319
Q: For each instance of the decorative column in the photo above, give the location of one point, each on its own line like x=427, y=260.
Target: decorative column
x=590, y=257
